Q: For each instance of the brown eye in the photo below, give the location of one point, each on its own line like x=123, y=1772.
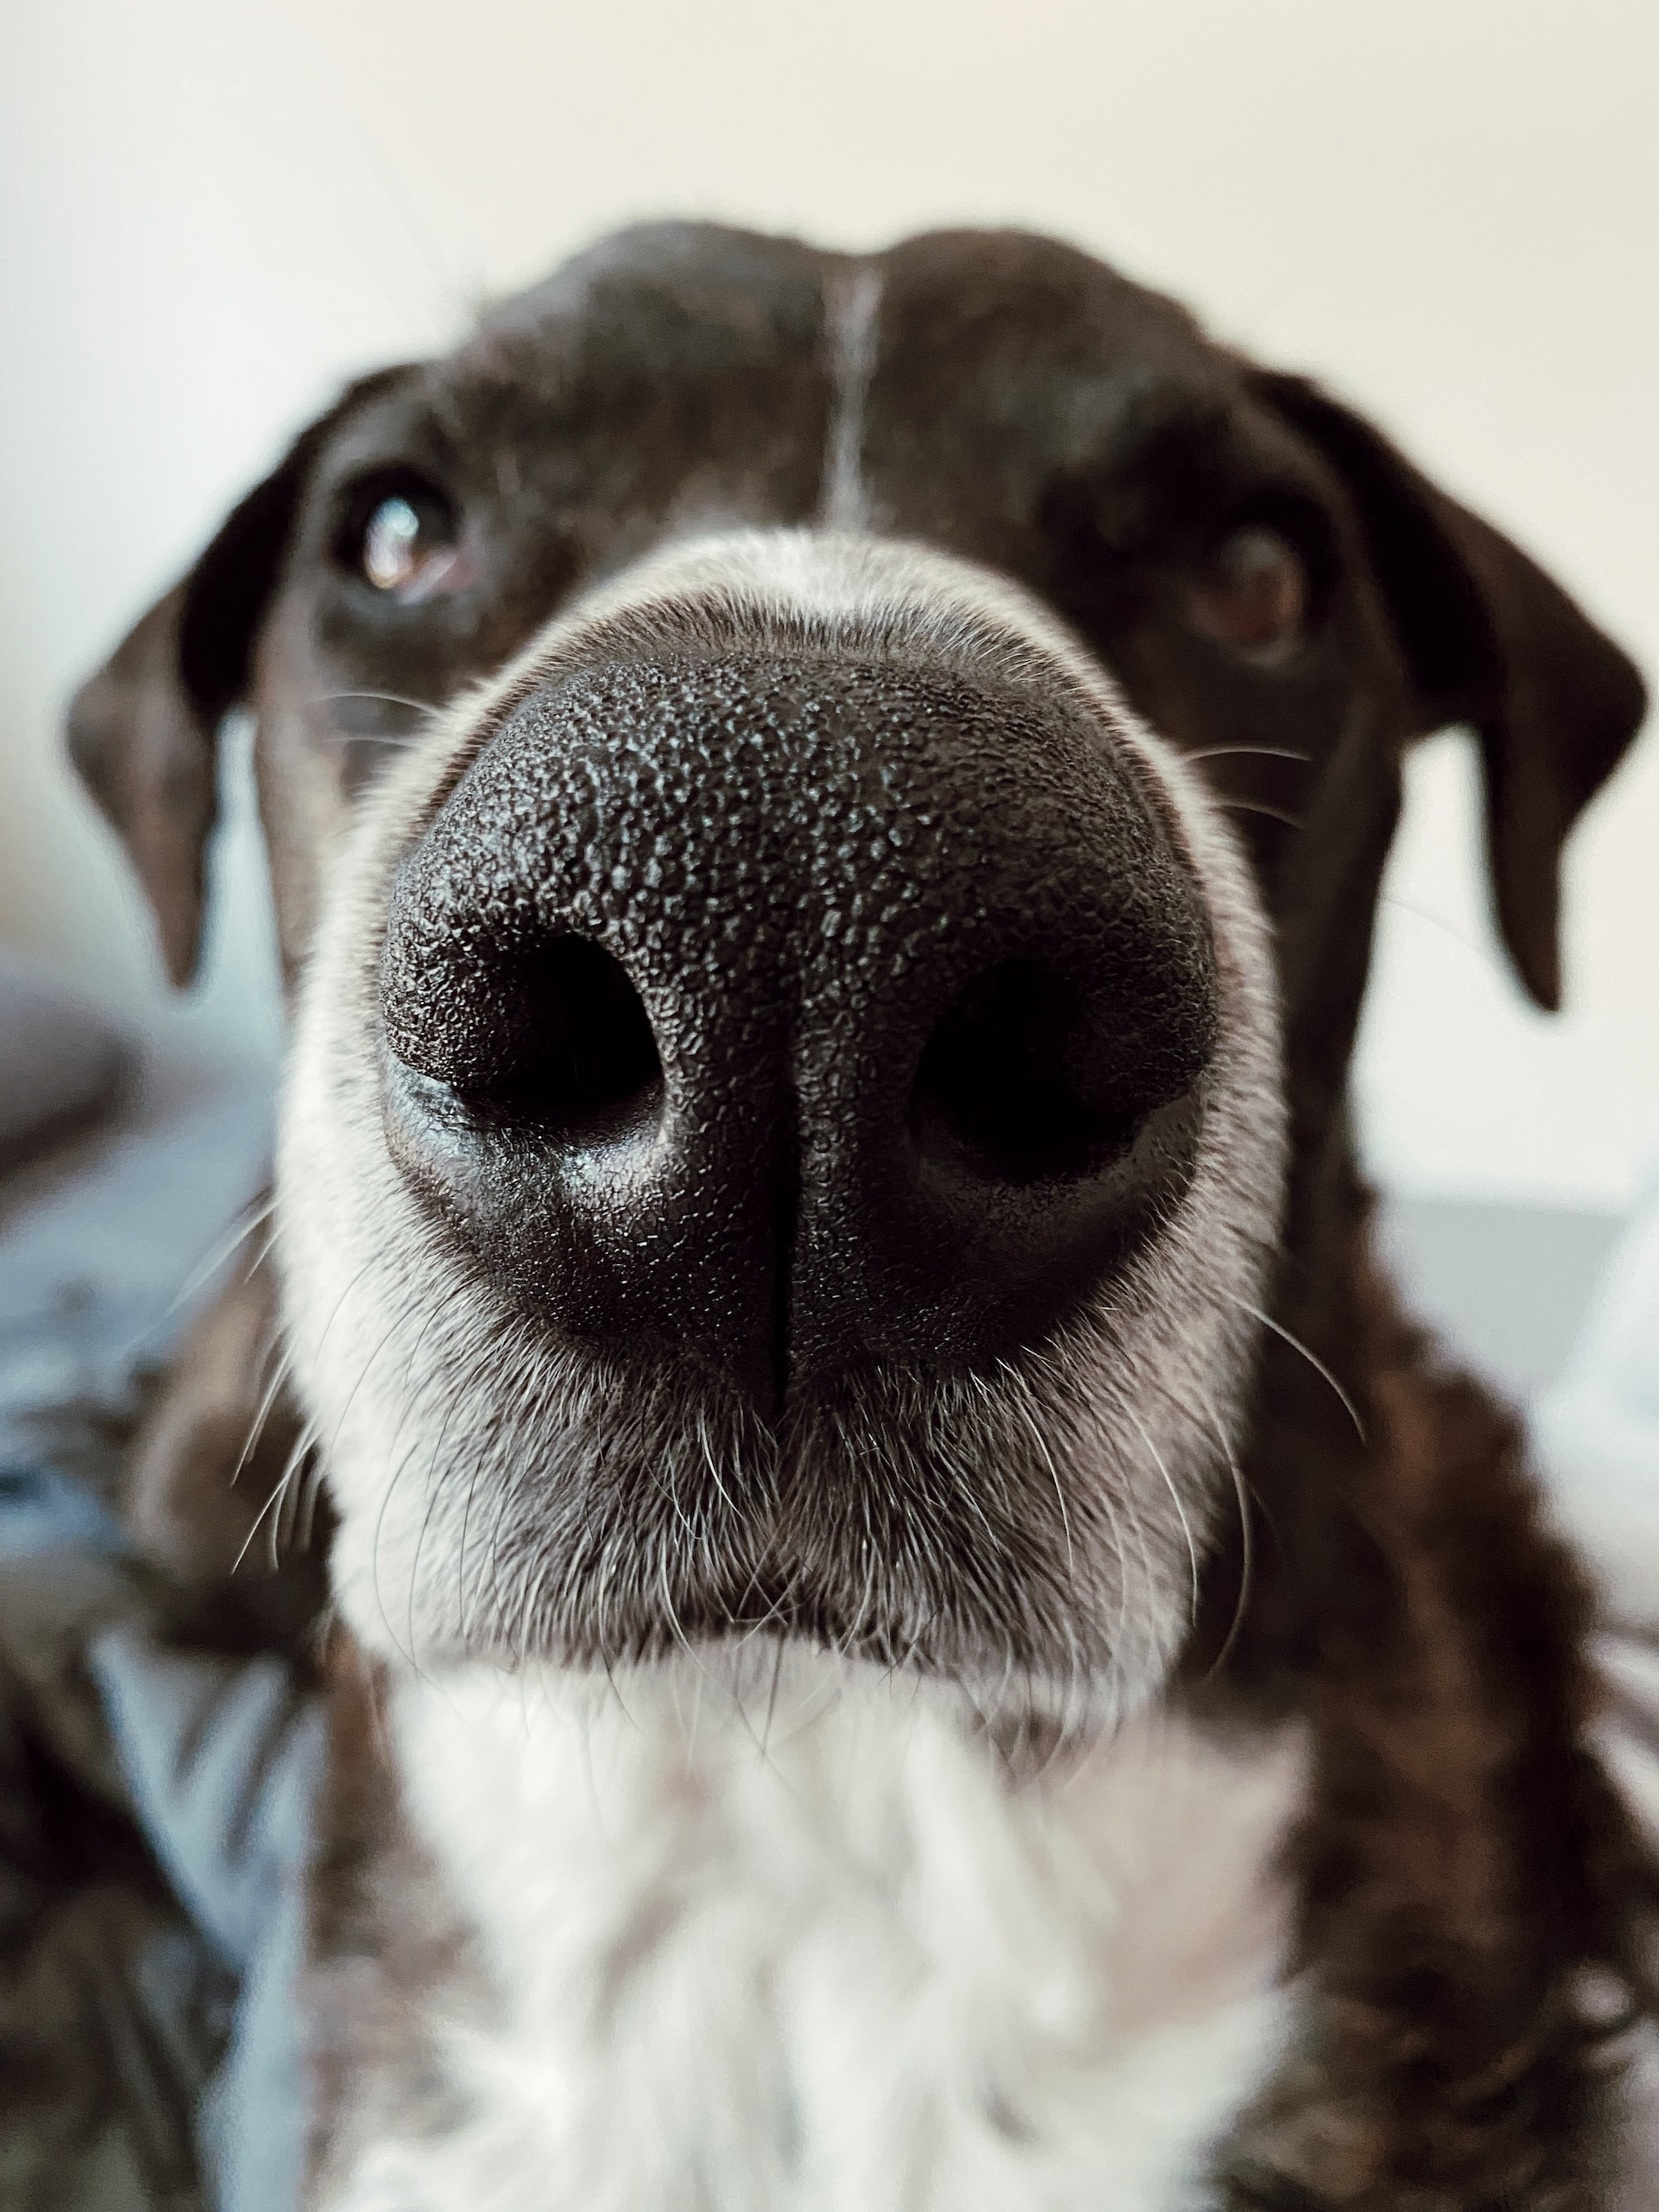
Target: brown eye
x=1252, y=594
x=407, y=547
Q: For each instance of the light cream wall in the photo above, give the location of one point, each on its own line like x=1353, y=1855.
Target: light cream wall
x=215, y=210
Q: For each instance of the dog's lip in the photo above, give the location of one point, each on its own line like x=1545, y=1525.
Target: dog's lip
x=773, y=1607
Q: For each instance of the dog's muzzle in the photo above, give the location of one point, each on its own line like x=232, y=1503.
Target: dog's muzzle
x=797, y=1013
x=783, y=1138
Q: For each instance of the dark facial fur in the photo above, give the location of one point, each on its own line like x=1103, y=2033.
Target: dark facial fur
x=1007, y=401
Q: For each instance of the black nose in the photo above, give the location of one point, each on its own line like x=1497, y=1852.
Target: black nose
x=796, y=1015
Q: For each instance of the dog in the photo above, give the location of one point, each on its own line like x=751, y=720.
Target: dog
x=913, y=1626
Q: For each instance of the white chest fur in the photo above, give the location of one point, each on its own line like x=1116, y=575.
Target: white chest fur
x=812, y=1953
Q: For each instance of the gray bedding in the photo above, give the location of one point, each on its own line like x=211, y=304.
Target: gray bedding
x=153, y=1792
x=61, y=1064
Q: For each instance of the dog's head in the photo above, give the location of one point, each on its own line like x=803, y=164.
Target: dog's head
x=830, y=812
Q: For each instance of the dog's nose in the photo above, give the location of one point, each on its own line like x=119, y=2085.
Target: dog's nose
x=795, y=1014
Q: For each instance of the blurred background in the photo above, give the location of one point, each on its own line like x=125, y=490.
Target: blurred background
x=217, y=210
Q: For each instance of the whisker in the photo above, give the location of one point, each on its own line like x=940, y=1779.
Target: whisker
x=305, y=1448
x=771, y=1702
x=394, y=1443
x=1312, y=1358
x=252, y=1217
x=436, y=1496
x=275, y=1499
x=514, y=1471
x=1266, y=752
x=1109, y=1506
x=1246, y=1540
x=1132, y=1509
x=1175, y=1495
x=398, y=1318
x=383, y=698
x=255, y=1430
x=395, y=1324
x=433, y=1458
x=1019, y=1394
x=712, y=1462
x=292, y=1485
x=1446, y=928
x=1261, y=807
x=387, y=741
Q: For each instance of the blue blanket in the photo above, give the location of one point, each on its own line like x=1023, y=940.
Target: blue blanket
x=154, y=1794
x=157, y=1810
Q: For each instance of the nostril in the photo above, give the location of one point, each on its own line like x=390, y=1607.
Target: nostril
x=1009, y=1078
x=557, y=1038
x=586, y=1052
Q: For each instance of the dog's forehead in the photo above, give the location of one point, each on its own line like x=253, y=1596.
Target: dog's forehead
x=720, y=341
x=688, y=341
x=1007, y=363
x=1004, y=304
x=695, y=294
x=698, y=294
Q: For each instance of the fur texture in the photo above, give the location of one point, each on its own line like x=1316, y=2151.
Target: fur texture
x=781, y=1934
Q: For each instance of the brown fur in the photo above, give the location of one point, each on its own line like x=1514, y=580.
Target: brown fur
x=381, y=1934
x=1475, y=1905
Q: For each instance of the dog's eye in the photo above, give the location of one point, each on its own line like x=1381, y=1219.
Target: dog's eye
x=405, y=542
x=1252, y=593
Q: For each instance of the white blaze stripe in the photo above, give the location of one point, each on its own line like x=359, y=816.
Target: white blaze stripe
x=852, y=304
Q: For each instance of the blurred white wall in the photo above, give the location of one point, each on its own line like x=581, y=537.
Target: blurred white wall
x=212, y=211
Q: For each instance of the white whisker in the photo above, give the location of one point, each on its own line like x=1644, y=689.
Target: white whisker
x=1266, y=752
x=1246, y=1540
x=1145, y=1436
x=1260, y=806
x=1312, y=1358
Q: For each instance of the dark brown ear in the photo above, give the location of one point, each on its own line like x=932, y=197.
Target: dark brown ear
x=1491, y=640
x=143, y=732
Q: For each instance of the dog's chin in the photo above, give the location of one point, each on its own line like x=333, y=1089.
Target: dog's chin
x=993, y=1534
x=771, y=1687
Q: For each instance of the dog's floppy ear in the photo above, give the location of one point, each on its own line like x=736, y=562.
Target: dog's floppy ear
x=1491, y=640
x=142, y=731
